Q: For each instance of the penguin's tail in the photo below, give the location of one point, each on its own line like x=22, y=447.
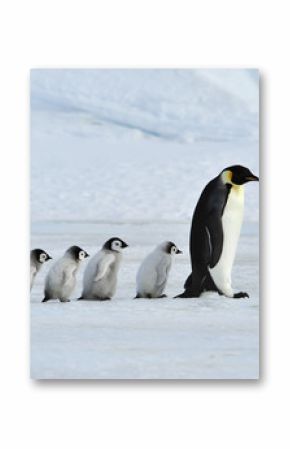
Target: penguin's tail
x=209, y=285
x=188, y=294
x=80, y=298
x=137, y=296
x=188, y=282
x=198, y=283
x=188, y=289
x=45, y=299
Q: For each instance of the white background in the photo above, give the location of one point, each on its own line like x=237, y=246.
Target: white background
x=140, y=34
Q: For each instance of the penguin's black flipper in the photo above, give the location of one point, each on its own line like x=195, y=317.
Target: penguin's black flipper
x=215, y=233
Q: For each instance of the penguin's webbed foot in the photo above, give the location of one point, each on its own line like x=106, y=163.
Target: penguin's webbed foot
x=162, y=296
x=64, y=300
x=241, y=295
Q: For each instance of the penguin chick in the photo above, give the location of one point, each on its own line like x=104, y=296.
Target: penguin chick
x=153, y=273
x=61, y=278
x=37, y=259
x=100, y=277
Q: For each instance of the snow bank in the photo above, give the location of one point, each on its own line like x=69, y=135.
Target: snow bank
x=179, y=105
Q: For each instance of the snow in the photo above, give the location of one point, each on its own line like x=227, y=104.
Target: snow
x=210, y=337
x=95, y=180
x=127, y=153
x=176, y=105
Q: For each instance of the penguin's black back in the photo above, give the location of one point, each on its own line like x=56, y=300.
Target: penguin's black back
x=207, y=219
x=209, y=210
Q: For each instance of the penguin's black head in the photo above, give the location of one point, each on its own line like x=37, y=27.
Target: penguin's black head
x=115, y=244
x=40, y=255
x=238, y=175
x=171, y=248
x=77, y=253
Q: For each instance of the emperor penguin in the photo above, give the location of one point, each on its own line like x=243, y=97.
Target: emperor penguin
x=37, y=259
x=61, y=278
x=100, y=276
x=215, y=232
x=153, y=273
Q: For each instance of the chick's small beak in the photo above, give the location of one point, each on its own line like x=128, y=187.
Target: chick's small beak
x=48, y=257
x=179, y=252
x=87, y=255
x=125, y=245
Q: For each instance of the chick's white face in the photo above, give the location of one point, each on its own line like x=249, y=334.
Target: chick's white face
x=173, y=250
x=42, y=257
x=82, y=255
x=116, y=245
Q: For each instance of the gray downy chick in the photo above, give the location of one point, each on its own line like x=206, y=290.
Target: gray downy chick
x=153, y=273
x=37, y=259
x=61, y=278
x=100, y=277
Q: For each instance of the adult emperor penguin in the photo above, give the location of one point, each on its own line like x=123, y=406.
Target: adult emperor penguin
x=153, y=273
x=215, y=231
x=37, y=259
x=61, y=278
x=100, y=277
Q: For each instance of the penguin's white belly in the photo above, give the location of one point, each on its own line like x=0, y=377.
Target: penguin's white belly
x=231, y=222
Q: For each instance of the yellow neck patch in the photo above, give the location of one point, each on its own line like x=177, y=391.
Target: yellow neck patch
x=227, y=177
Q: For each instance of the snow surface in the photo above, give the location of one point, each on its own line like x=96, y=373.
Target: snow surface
x=211, y=337
x=90, y=179
x=127, y=153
